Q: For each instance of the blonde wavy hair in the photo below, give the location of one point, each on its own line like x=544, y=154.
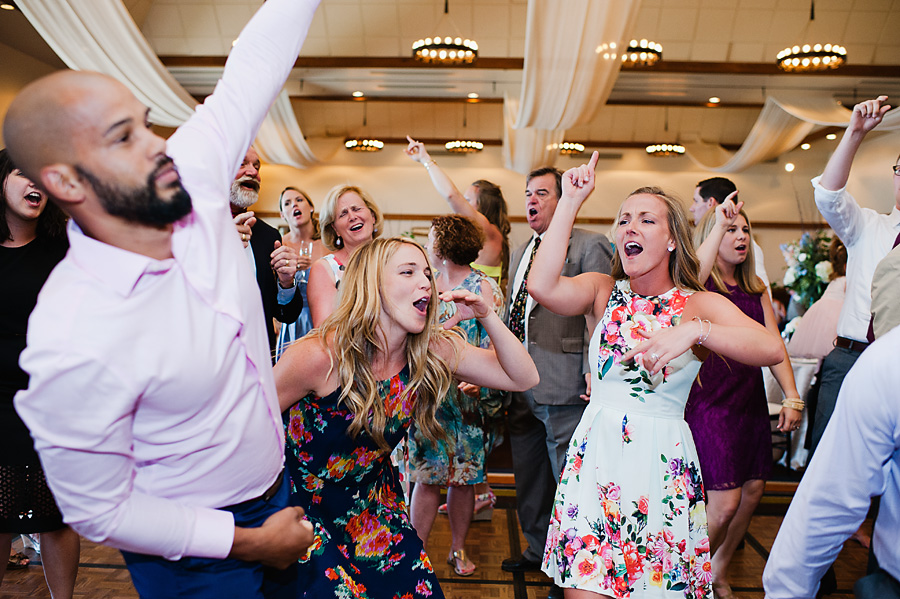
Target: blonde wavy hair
x=327, y=215
x=745, y=272
x=355, y=338
x=684, y=267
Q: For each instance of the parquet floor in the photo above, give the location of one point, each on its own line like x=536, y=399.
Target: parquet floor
x=103, y=575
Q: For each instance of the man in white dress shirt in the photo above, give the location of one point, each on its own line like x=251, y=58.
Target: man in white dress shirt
x=151, y=397
x=868, y=236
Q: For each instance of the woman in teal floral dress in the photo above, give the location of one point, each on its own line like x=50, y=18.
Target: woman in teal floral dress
x=469, y=415
x=350, y=390
x=629, y=517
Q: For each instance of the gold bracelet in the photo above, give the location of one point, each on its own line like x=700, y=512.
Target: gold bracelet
x=428, y=164
x=794, y=403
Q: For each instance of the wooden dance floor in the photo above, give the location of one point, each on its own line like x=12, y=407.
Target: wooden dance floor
x=103, y=575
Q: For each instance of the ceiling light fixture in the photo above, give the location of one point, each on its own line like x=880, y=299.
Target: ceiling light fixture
x=804, y=146
x=464, y=146
x=665, y=150
x=789, y=167
x=567, y=147
x=473, y=96
x=358, y=94
x=831, y=136
x=715, y=100
x=808, y=58
x=642, y=53
x=8, y=6
x=446, y=50
x=364, y=145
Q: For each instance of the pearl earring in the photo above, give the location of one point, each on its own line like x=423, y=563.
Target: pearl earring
x=672, y=248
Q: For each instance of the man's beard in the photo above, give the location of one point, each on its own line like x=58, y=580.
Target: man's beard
x=241, y=196
x=141, y=205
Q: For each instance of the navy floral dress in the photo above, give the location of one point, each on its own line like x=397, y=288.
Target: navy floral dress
x=364, y=544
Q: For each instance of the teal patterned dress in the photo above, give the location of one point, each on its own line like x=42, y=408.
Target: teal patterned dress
x=364, y=544
x=472, y=424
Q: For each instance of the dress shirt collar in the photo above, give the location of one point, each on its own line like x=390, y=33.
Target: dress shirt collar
x=894, y=217
x=117, y=268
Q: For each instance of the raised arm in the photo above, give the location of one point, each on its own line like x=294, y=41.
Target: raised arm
x=507, y=366
x=708, y=251
x=865, y=117
x=710, y=322
x=567, y=296
x=448, y=190
x=216, y=138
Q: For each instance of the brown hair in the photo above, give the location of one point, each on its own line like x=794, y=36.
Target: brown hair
x=317, y=234
x=493, y=206
x=684, y=267
x=457, y=238
x=837, y=254
x=745, y=272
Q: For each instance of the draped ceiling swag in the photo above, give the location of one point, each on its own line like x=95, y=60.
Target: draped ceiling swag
x=565, y=81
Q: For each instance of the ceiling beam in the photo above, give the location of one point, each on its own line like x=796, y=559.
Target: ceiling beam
x=461, y=100
x=498, y=63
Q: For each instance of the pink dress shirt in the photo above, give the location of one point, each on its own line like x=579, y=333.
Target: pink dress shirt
x=151, y=399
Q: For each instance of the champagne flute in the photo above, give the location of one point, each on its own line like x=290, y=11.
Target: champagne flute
x=305, y=250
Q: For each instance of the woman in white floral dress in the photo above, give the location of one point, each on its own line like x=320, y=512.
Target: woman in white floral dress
x=629, y=518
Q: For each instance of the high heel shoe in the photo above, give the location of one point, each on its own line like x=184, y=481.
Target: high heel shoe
x=458, y=560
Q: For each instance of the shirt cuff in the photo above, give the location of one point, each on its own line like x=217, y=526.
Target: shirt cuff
x=285, y=296
x=213, y=534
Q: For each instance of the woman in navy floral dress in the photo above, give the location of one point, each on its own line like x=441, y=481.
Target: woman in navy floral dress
x=350, y=391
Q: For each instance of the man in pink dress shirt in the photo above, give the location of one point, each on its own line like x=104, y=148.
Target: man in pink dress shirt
x=151, y=399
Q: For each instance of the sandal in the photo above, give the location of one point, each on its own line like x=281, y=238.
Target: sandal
x=484, y=507
x=18, y=561
x=459, y=559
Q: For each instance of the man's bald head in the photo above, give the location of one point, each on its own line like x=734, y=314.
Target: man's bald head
x=42, y=124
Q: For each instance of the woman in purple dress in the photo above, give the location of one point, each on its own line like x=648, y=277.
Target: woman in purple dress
x=727, y=410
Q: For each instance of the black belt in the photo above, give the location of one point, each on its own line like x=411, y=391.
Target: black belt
x=266, y=496
x=851, y=344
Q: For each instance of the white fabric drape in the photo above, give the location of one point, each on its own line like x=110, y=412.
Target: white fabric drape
x=280, y=140
x=785, y=120
x=527, y=149
x=565, y=79
x=100, y=35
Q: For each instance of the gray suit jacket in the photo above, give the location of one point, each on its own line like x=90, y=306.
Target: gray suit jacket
x=558, y=344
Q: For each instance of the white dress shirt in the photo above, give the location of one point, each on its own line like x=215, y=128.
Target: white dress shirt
x=857, y=459
x=868, y=236
x=151, y=399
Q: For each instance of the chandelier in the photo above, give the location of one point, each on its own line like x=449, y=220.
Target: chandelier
x=464, y=146
x=364, y=145
x=810, y=58
x=642, y=53
x=807, y=58
x=445, y=50
x=567, y=147
x=665, y=150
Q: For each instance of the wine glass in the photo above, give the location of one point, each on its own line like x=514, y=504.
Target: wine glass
x=305, y=249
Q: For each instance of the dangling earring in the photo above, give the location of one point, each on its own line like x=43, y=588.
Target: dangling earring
x=444, y=263
x=338, y=242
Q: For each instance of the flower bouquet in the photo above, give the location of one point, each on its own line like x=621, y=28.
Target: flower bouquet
x=809, y=269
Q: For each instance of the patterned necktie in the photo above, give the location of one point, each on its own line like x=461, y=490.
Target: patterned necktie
x=870, y=334
x=517, y=312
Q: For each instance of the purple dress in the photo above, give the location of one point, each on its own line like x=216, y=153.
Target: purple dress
x=728, y=415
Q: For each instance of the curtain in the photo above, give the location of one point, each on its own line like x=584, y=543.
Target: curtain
x=527, y=149
x=566, y=77
x=785, y=120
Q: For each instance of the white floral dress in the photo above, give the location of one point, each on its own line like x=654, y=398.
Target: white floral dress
x=629, y=518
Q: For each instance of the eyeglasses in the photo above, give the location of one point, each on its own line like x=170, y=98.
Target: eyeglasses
x=896, y=169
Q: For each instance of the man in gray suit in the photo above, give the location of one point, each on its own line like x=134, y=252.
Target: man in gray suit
x=542, y=420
